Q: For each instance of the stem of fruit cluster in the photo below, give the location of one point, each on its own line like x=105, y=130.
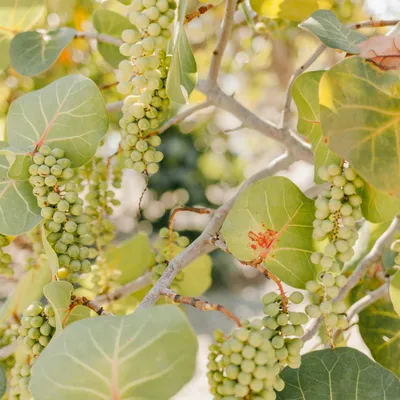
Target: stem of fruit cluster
x=83, y=301
x=197, y=13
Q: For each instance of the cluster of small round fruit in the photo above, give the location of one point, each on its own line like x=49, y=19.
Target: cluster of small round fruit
x=338, y=210
x=8, y=334
x=62, y=208
x=18, y=388
x=246, y=365
x=37, y=327
x=5, y=258
x=166, y=250
x=143, y=79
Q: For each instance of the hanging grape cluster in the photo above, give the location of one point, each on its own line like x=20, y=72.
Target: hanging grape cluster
x=18, y=388
x=164, y=248
x=62, y=210
x=247, y=364
x=5, y=258
x=143, y=79
x=8, y=334
x=338, y=210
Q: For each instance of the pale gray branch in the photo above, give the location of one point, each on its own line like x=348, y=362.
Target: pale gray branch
x=100, y=37
x=8, y=350
x=115, y=107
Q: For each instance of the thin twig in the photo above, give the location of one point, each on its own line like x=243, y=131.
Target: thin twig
x=180, y=117
x=100, y=37
x=224, y=36
x=197, y=13
x=200, y=304
x=83, y=301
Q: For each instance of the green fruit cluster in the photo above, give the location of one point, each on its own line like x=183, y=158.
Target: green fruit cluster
x=5, y=258
x=246, y=365
x=164, y=247
x=338, y=210
x=143, y=79
x=62, y=209
x=37, y=327
x=18, y=388
x=8, y=334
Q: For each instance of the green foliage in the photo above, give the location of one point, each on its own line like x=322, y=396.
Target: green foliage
x=395, y=291
x=120, y=257
x=328, y=29
x=295, y=10
x=112, y=24
x=29, y=288
x=342, y=373
x=305, y=95
x=19, y=211
x=359, y=115
x=3, y=380
x=150, y=354
x=52, y=256
x=35, y=52
x=182, y=76
x=19, y=166
x=69, y=113
x=16, y=16
x=280, y=215
x=378, y=206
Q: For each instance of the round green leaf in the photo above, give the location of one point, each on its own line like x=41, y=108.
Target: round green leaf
x=395, y=291
x=19, y=166
x=378, y=206
x=29, y=288
x=148, y=355
x=70, y=113
x=328, y=29
x=3, y=380
x=305, y=94
x=112, y=24
x=339, y=374
x=379, y=327
x=360, y=117
x=272, y=219
x=35, y=52
x=52, y=256
x=19, y=212
x=132, y=257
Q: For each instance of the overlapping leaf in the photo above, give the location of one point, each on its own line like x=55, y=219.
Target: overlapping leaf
x=19, y=212
x=305, y=95
x=328, y=29
x=112, y=24
x=52, y=256
x=383, y=51
x=339, y=374
x=70, y=114
x=395, y=291
x=182, y=76
x=273, y=219
x=149, y=355
x=295, y=10
x=360, y=115
x=35, y=52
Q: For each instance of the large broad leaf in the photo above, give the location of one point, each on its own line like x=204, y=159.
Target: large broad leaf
x=132, y=258
x=328, y=29
x=112, y=24
x=148, y=355
x=35, y=52
x=295, y=10
x=3, y=380
x=182, y=76
x=378, y=206
x=339, y=374
x=305, y=95
x=360, y=114
x=29, y=288
x=70, y=114
x=395, y=291
x=272, y=219
x=379, y=326
x=16, y=16
x=19, y=212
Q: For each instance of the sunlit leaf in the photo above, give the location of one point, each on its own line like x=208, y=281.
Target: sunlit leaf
x=305, y=95
x=52, y=256
x=339, y=374
x=182, y=76
x=328, y=29
x=19, y=167
x=35, y=52
x=272, y=220
x=360, y=115
x=112, y=24
x=383, y=51
x=295, y=10
x=70, y=113
x=395, y=291
x=150, y=354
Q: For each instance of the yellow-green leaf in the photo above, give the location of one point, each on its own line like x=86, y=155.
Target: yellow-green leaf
x=360, y=115
x=395, y=291
x=305, y=95
x=272, y=220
